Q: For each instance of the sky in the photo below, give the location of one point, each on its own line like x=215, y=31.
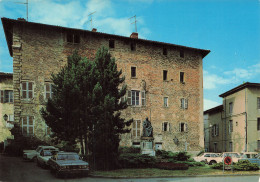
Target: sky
x=230, y=29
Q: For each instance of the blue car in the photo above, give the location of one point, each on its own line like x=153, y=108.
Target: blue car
x=255, y=159
x=67, y=163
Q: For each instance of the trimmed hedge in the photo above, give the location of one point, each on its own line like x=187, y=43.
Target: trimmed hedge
x=242, y=165
x=134, y=160
x=172, y=166
x=135, y=150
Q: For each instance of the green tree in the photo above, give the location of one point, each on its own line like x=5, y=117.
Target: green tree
x=109, y=124
x=86, y=107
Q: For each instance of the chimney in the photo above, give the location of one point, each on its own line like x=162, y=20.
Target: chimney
x=94, y=29
x=21, y=19
x=134, y=35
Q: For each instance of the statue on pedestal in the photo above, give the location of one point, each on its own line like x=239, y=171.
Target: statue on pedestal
x=147, y=128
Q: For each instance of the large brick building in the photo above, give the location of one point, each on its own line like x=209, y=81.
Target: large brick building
x=165, y=81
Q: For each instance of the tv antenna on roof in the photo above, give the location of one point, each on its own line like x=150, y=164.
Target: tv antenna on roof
x=27, y=3
x=134, y=22
x=91, y=18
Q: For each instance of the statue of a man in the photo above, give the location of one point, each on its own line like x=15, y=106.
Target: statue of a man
x=147, y=128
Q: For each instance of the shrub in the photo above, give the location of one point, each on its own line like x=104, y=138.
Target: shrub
x=192, y=163
x=217, y=165
x=172, y=166
x=181, y=156
x=129, y=150
x=134, y=160
x=245, y=165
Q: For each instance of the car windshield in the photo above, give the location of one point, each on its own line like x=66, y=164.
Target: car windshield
x=47, y=153
x=68, y=157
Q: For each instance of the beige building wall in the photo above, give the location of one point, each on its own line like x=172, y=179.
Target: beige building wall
x=6, y=83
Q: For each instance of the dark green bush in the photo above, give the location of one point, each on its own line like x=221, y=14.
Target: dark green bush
x=192, y=164
x=217, y=165
x=178, y=156
x=172, y=166
x=134, y=160
x=245, y=165
x=135, y=150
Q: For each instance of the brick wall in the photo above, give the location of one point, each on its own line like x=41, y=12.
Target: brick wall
x=40, y=50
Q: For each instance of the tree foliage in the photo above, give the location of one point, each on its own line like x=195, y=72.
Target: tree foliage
x=86, y=106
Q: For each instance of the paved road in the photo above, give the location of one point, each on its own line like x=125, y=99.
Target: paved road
x=15, y=169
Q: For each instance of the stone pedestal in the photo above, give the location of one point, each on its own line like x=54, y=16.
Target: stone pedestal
x=147, y=146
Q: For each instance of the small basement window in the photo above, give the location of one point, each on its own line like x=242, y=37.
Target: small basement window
x=133, y=72
x=133, y=46
x=165, y=52
x=182, y=77
x=111, y=43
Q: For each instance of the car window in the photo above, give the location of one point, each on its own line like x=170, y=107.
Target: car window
x=207, y=155
x=38, y=149
x=68, y=157
x=47, y=153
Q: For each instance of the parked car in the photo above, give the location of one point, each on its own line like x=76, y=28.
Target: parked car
x=254, y=159
x=44, y=156
x=68, y=163
x=248, y=154
x=31, y=155
x=234, y=156
x=209, y=158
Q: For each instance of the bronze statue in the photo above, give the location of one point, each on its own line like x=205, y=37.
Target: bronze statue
x=147, y=128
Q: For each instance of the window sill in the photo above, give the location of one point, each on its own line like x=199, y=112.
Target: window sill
x=133, y=77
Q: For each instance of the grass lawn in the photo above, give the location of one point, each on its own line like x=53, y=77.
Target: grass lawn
x=153, y=172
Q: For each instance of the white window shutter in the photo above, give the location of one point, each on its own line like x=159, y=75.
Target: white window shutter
x=162, y=126
x=179, y=127
x=186, y=127
x=129, y=97
x=186, y=103
x=217, y=130
x=143, y=98
x=169, y=126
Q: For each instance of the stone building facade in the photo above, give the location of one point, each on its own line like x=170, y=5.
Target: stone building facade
x=6, y=107
x=235, y=125
x=165, y=81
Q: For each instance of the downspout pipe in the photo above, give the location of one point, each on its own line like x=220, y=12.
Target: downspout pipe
x=245, y=122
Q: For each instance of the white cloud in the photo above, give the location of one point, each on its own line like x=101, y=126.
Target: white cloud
x=237, y=75
x=211, y=81
x=208, y=104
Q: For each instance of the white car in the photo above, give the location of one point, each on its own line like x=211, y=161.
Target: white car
x=44, y=156
x=31, y=155
x=209, y=158
x=234, y=156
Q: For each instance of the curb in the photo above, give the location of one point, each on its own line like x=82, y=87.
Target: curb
x=142, y=177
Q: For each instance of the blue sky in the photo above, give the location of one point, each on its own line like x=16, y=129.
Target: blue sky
x=229, y=28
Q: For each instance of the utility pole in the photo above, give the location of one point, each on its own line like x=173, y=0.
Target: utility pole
x=27, y=7
x=91, y=18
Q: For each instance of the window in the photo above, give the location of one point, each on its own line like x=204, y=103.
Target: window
x=183, y=127
x=258, y=124
x=48, y=90
x=258, y=145
x=230, y=108
x=230, y=146
x=230, y=126
x=181, y=53
x=165, y=126
x=136, y=98
x=6, y=96
x=182, y=77
x=111, y=43
x=184, y=103
x=258, y=102
x=133, y=46
x=73, y=38
x=165, y=52
x=27, y=125
x=11, y=117
x=133, y=72
x=215, y=130
x=27, y=90
x=136, y=129
x=165, y=101
x=165, y=75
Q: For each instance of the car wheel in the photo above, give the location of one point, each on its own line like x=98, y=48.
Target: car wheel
x=34, y=159
x=212, y=162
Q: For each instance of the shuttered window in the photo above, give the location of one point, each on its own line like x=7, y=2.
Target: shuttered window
x=27, y=125
x=258, y=102
x=6, y=96
x=183, y=127
x=230, y=126
x=2, y=96
x=184, y=103
x=165, y=126
x=27, y=90
x=136, y=98
x=136, y=129
x=215, y=130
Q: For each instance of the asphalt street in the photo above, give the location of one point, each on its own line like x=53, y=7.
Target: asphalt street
x=15, y=169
